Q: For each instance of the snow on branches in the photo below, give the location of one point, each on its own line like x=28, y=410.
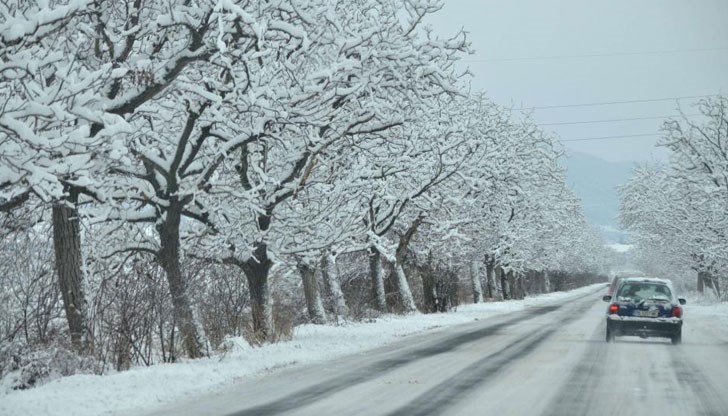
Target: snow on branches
x=677, y=211
x=259, y=139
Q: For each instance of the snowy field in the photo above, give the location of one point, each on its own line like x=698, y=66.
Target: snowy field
x=147, y=387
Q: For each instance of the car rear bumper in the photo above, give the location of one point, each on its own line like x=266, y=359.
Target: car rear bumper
x=644, y=327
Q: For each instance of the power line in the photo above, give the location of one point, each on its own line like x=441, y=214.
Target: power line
x=612, y=137
x=597, y=55
x=649, y=100
x=616, y=119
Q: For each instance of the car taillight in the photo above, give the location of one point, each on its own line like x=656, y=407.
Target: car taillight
x=676, y=311
x=613, y=308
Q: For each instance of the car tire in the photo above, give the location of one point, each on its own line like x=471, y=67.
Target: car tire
x=677, y=338
x=610, y=336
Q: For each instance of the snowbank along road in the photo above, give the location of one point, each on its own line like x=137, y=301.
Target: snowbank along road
x=547, y=360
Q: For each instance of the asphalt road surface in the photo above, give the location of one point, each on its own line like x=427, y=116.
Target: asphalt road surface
x=549, y=360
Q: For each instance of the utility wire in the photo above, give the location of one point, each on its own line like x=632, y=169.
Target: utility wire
x=597, y=55
x=649, y=100
x=616, y=119
x=612, y=137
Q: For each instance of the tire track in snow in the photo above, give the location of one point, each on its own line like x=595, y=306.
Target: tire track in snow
x=574, y=398
x=710, y=401
x=439, y=398
x=309, y=395
x=378, y=368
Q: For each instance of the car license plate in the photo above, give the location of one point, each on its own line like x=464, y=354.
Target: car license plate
x=646, y=314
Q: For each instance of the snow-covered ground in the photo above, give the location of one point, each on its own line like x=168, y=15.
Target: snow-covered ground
x=141, y=389
x=707, y=307
x=148, y=387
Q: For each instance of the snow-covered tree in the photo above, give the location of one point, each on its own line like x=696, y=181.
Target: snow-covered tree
x=52, y=125
x=678, y=211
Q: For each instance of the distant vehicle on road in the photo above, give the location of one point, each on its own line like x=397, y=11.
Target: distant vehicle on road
x=644, y=307
x=613, y=286
x=618, y=278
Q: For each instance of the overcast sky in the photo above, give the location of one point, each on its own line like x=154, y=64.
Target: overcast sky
x=657, y=49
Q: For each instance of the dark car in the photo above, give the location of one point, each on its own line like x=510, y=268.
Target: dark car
x=645, y=307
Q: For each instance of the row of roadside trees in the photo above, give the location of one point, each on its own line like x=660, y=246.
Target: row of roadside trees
x=677, y=211
x=196, y=167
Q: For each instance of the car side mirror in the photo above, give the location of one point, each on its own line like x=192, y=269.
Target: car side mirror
x=607, y=298
x=682, y=301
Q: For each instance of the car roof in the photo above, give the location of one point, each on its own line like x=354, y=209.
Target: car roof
x=624, y=274
x=646, y=280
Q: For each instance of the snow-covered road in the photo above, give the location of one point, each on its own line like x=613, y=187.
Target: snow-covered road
x=545, y=360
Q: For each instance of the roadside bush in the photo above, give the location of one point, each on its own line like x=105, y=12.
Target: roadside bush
x=23, y=367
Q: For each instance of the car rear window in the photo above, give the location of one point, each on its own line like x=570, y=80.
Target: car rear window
x=639, y=291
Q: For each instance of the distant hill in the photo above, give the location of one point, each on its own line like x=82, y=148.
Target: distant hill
x=595, y=181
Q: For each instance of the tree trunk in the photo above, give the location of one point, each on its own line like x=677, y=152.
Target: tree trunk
x=490, y=279
x=256, y=271
x=512, y=287
x=67, y=245
x=331, y=278
x=522, y=289
x=701, y=282
x=405, y=293
x=312, y=294
x=429, y=286
x=408, y=301
x=169, y=258
x=505, y=287
x=546, y=281
x=475, y=279
x=711, y=282
x=716, y=286
x=534, y=282
x=377, y=276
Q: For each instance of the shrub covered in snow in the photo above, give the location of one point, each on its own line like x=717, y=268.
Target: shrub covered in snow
x=22, y=367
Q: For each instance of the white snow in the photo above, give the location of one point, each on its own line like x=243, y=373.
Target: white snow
x=706, y=308
x=144, y=388
x=620, y=248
